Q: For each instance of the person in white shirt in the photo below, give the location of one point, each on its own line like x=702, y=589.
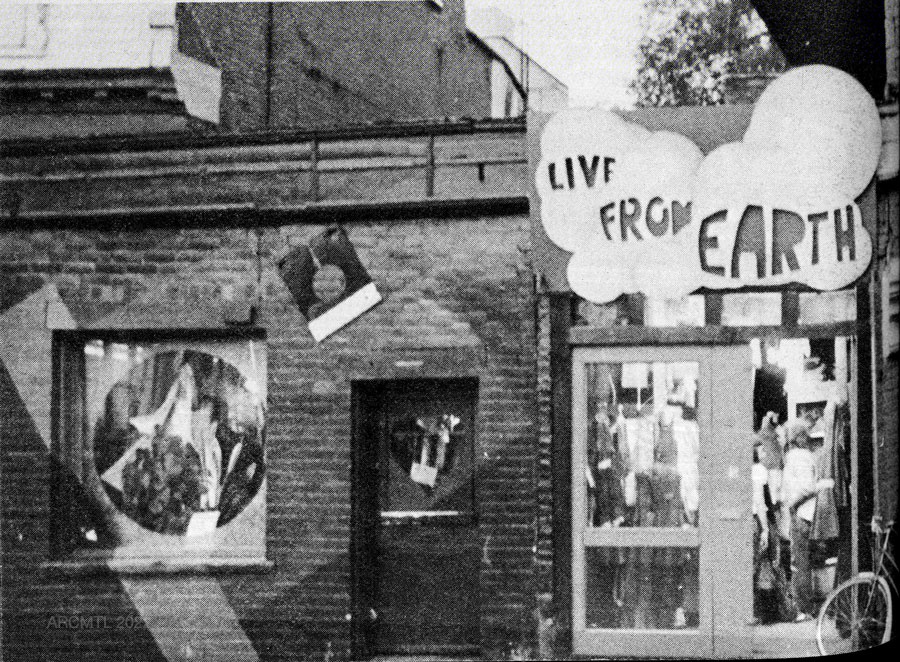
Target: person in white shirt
x=798, y=501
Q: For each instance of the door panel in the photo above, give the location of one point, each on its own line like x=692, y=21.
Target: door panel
x=652, y=521
x=426, y=597
x=426, y=600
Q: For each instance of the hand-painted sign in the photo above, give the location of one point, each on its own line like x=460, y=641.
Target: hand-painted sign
x=646, y=212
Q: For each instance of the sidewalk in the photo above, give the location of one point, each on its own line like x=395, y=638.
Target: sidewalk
x=775, y=641
x=785, y=640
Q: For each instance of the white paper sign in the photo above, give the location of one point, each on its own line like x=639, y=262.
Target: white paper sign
x=202, y=523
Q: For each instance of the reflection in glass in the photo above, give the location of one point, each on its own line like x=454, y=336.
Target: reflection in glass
x=643, y=445
x=177, y=434
x=429, y=464
x=642, y=587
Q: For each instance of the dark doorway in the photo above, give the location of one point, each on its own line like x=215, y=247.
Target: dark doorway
x=415, y=535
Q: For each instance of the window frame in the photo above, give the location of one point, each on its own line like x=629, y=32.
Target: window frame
x=169, y=554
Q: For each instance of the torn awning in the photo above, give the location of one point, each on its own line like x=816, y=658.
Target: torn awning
x=846, y=34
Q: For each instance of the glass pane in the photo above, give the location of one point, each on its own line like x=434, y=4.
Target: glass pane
x=426, y=449
x=175, y=432
x=683, y=311
x=751, y=309
x=429, y=464
x=826, y=307
x=642, y=587
x=643, y=445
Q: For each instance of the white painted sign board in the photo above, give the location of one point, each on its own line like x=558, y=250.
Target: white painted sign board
x=645, y=211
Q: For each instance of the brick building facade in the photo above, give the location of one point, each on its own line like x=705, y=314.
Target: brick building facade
x=316, y=65
x=439, y=219
x=237, y=67
x=174, y=244
x=458, y=303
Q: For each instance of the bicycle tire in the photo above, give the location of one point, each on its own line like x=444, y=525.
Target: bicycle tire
x=839, y=631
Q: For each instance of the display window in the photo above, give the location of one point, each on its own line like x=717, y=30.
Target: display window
x=712, y=493
x=641, y=471
x=161, y=446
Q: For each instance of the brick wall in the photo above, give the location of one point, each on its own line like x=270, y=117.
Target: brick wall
x=236, y=34
x=338, y=64
x=888, y=449
x=892, y=47
x=452, y=285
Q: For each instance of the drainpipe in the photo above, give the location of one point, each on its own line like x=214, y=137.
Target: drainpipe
x=269, y=66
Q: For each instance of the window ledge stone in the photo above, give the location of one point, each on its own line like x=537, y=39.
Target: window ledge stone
x=157, y=566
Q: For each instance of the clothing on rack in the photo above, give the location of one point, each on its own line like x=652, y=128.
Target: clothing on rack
x=825, y=517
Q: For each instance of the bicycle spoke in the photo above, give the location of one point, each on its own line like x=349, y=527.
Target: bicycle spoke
x=854, y=617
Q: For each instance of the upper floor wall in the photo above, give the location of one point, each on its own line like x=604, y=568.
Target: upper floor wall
x=328, y=64
x=65, y=69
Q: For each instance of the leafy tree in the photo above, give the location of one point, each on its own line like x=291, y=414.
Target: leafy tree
x=691, y=49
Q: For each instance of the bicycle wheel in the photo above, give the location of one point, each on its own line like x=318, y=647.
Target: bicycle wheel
x=857, y=615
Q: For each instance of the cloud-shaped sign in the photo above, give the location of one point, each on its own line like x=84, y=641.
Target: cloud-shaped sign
x=645, y=211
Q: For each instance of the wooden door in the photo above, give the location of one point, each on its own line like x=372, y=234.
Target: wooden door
x=425, y=597
x=662, y=535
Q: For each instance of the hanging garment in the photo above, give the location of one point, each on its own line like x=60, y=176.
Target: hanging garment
x=666, y=483
x=629, y=489
x=639, y=435
x=799, y=478
x=760, y=477
x=765, y=579
x=841, y=466
x=666, y=451
x=687, y=440
x=635, y=582
x=606, y=467
x=623, y=444
x=825, y=517
x=667, y=563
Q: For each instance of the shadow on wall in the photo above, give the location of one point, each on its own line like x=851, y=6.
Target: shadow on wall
x=47, y=617
x=483, y=303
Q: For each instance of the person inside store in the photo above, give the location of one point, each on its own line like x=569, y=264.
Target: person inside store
x=765, y=601
x=798, y=503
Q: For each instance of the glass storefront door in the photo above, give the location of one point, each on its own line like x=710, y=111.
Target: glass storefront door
x=662, y=534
